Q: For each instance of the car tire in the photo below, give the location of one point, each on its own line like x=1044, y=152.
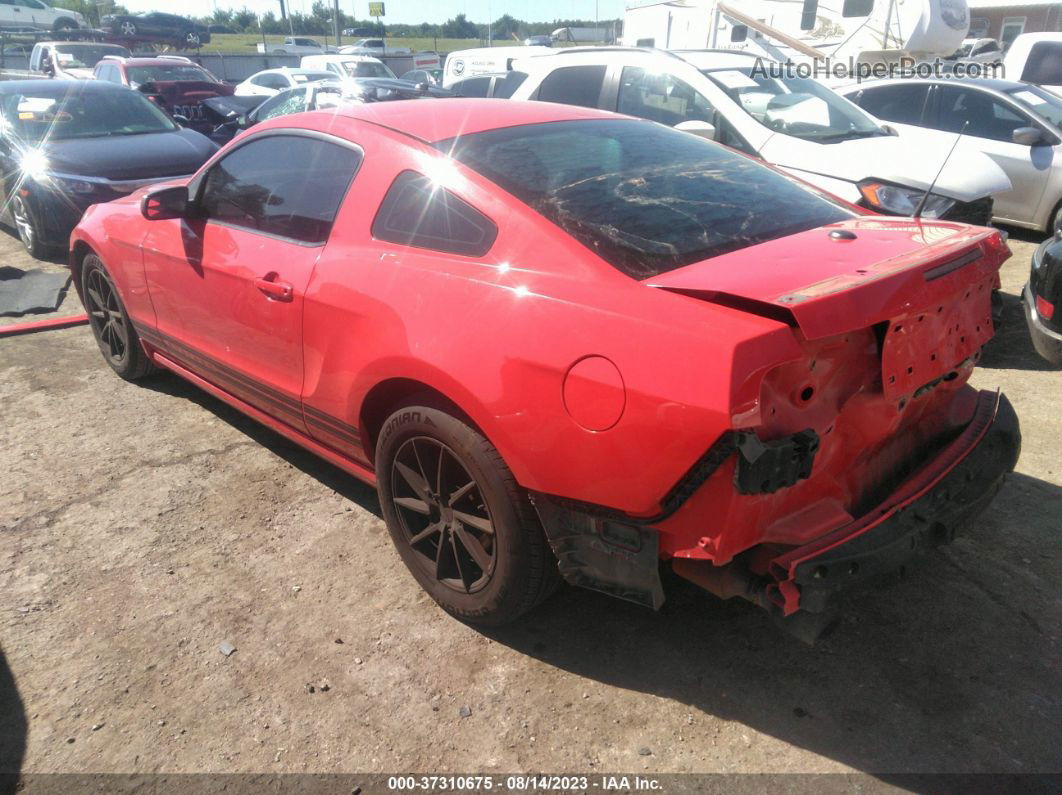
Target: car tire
x=64, y=23
x=462, y=525
x=191, y=39
x=110, y=324
x=128, y=28
x=28, y=228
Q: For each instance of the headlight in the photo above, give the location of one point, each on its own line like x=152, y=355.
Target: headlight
x=896, y=200
x=33, y=163
x=74, y=185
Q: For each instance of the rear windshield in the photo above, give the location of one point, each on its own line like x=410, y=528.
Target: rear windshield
x=182, y=73
x=80, y=56
x=366, y=69
x=644, y=197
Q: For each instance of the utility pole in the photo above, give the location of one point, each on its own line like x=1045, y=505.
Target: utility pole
x=335, y=23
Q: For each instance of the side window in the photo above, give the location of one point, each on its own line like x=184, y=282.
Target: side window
x=505, y=87
x=1044, y=66
x=472, y=87
x=285, y=185
x=283, y=104
x=987, y=117
x=903, y=104
x=573, y=85
x=661, y=97
x=416, y=212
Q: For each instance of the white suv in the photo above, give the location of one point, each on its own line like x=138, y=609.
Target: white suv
x=795, y=123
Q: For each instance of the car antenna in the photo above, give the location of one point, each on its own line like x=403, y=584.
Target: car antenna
x=954, y=146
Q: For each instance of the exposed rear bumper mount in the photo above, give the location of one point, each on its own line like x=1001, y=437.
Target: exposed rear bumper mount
x=924, y=512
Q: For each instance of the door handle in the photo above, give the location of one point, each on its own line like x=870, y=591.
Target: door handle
x=273, y=289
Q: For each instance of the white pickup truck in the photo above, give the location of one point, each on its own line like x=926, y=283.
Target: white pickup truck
x=375, y=47
x=295, y=45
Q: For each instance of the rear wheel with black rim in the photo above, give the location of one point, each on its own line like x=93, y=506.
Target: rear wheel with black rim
x=114, y=333
x=463, y=527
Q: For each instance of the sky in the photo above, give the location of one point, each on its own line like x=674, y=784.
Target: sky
x=409, y=11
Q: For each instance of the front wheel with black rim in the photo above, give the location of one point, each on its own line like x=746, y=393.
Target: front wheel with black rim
x=114, y=333
x=463, y=527
x=27, y=227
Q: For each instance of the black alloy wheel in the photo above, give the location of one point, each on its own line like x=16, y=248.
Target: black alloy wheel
x=110, y=324
x=443, y=515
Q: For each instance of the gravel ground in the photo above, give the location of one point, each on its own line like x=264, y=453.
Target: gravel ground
x=143, y=526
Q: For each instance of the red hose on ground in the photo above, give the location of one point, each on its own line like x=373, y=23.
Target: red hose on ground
x=43, y=325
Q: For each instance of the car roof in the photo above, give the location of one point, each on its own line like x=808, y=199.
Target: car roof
x=987, y=83
x=453, y=117
x=58, y=88
x=718, y=59
x=159, y=62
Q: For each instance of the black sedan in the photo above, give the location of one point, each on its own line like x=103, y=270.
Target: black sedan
x=158, y=27
x=1043, y=300
x=67, y=144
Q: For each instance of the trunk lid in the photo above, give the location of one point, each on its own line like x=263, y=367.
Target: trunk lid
x=931, y=282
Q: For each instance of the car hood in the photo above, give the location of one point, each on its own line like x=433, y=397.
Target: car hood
x=913, y=158
x=153, y=155
x=842, y=277
x=185, y=92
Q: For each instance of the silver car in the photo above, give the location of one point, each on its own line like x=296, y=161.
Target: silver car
x=1018, y=125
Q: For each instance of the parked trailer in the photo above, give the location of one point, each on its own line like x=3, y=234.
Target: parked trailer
x=866, y=30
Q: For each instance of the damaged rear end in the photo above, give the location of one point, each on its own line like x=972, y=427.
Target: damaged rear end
x=855, y=454
x=871, y=445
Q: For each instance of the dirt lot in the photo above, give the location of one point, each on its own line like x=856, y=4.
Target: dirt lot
x=142, y=526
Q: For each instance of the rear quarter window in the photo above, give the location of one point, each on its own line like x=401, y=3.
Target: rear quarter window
x=416, y=212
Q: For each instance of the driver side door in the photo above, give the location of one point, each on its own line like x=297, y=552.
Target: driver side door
x=228, y=281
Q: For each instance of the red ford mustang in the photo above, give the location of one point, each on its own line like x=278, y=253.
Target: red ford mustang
x=564, y=342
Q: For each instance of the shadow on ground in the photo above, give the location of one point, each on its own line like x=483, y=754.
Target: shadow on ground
x=951, y=670
x=330, y=476
x=12, y=729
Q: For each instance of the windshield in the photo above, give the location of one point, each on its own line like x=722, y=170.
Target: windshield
x=1041, y=102
x=644, y=197
x=170, y=73
x=85, y=56
x=309, y=77
x=366, y=69
x=795, y=106
x=91, y=115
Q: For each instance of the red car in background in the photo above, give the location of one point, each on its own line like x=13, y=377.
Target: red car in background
x=177, y=84
x=561, y=340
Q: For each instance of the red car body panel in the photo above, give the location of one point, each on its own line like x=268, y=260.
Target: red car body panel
x=595, y=388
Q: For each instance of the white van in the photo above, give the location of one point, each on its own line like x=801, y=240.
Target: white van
x=344, y=66
x=485, y=61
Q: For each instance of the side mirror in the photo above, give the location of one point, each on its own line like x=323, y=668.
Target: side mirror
x=181, y=120
x=890, y=130
x=701, y=129
x=739, y=33
x=244, y=120
x=161, y=205
x=1028, y=136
